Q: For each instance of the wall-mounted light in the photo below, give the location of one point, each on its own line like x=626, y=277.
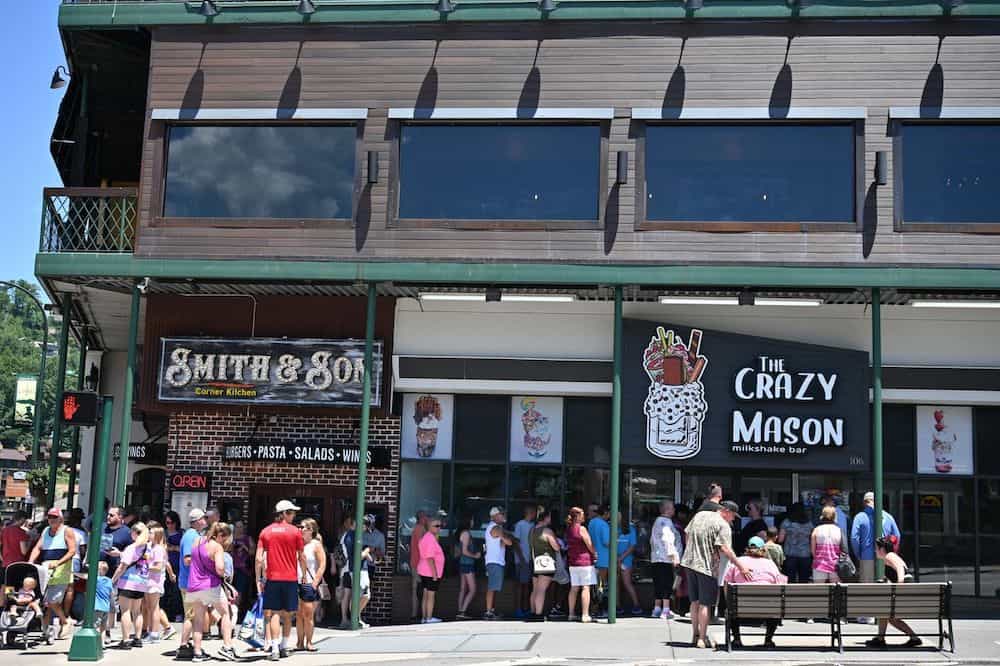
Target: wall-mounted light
x=57, y=80
x=881, y=167
x=306, y=7
x=546, y=6
x=445, y=7
x=622, y=175
x=372, y=167
x=208, y=8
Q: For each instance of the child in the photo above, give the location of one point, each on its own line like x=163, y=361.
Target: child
x=102, y=601
x=25, y=598
x=773, y=549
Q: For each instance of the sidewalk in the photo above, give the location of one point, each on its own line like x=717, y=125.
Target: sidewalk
x=630, y=642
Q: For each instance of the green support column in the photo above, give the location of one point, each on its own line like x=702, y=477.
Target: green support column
x=67, y=305
x=75, y=459
x=126, y=438
x=877, y=417
x=86, y=645
x=36, y=431
x=359, y=501
x=616, y=454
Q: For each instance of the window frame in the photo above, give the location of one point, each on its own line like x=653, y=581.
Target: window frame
x=645, y=224
x=896, y=131
x=395, y=186
x=161, y=130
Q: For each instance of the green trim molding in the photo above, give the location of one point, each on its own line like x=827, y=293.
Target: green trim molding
x=129, y=14
x=79, y=265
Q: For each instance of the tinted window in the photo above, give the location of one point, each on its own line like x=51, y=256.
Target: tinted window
x=289, y=171
x=951, y=173
x=481, y=427
x=750, y=173
x=899, y=437
x=499, y=172
x=588, y=431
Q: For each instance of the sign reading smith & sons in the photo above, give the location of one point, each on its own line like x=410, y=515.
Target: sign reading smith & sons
x=694, y=397
x=270, y=371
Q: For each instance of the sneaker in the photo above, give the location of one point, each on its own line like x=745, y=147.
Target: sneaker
x=170, y=631
x=667, y=615
x=656, y=612
x=184, y=653
x=282, y=653
x=434, y=620
x=364, y=625
x=490, y=615
x=810, y=620
x=572, y=618
x=273, y=655
x=228, y=654
x=137, y=642
x=461, y=616
x=913, y=642
x=200, y=657
x=877, y=642
x=586, y=619
x=707, y=642
x=519, y=614
x=48, y=637
x=636, y=611
x=557, y=611
x=125, y=645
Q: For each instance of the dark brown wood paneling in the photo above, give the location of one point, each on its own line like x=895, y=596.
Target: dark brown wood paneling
x=330, y=317
x=622, y=65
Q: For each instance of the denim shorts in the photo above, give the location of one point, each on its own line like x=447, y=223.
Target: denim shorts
x=469, y=568
x=494, y=577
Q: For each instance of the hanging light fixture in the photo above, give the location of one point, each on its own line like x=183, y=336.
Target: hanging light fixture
x=445, y=7
x=546, y=6
x=208, y=8
x=306, y=7
x=693, y=5
x=57, y=80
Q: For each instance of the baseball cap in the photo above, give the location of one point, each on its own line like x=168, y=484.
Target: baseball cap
x=370, y=519
x=756, y=542
x=869, y=496
x=285, y=505
x=730, y=505
x=54, y=512
x=195, y=514
x=496, y=510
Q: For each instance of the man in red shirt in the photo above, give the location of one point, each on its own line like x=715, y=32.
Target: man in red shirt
x=279, y=558
x=15, y=541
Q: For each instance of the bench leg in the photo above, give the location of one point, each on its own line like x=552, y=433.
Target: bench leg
x=951, y=636
x=729, y=643
x=840, y=636
x=940, y=634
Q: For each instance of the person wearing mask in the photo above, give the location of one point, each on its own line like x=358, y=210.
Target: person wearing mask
x=542, y=543
x=773, y=549
x=896, y=571
x=15, y=542
x=315, y=556
x=115, y=537
x=431, y=569
x=762, y=570
x=419, y=529
x=243, y=553
x=466, y=568
x=196, y=522
x=665, y=556
x=364, y=582
x=54, y=550
x=794, y=539
x=626, y=542
x=208, y=567
x=497, y=540
x=826, y=544
x=131, y=578
x=756, y=526
x=279, y=559
x=709, y=538
x=580, y=558
x=522, y=534
x=863, y=541
x=600, y=535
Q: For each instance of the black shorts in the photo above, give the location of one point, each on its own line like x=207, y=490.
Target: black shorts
x=663, y=580
x=308, y=593
x=131, y=594
x=281, y=595
x=702, y=589
x=430, y=584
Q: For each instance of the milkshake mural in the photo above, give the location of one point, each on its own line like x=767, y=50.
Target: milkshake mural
x=944, y=440
x=675, y=406
x=427, y=426
x=536, y=429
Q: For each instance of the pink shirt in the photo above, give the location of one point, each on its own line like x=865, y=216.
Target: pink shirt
x=762, y=570
x=430, y=549
x=827, y=555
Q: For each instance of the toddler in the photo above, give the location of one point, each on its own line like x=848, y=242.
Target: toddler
x=102, y=600
x=25, y=598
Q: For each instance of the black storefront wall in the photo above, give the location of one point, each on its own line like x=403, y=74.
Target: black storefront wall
x=701, y=398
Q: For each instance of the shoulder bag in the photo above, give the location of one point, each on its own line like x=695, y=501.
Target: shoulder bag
x=846, y=570
x=543, y=564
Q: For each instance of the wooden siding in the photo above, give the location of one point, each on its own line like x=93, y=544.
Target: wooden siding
x=621, y=65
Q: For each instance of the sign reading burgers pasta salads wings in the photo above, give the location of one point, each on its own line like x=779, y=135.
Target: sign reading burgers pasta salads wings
x=693, y=396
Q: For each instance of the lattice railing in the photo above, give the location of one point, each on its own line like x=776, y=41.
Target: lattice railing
x=88, y=219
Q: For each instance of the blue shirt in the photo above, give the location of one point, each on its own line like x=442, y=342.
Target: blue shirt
x=119, y=538
x=626, y=541
x=349, y=547
x=600, y=534
x=862, y=539
x=187, y=545
x=102, y=602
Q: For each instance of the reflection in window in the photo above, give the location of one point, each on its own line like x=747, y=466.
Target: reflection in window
x=532, y=485
x=750, y=173
x=951, y=172
x=947, y=543
x=499, y=172
x=252, y=171
x=477, y=489
x=423, y=486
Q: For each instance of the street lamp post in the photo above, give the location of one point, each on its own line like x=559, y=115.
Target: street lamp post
x=40, y=387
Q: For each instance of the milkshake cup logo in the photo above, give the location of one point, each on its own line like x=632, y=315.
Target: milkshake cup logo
x=427, y=416
x=942, y=440
x=675, y=407
x=536, y=429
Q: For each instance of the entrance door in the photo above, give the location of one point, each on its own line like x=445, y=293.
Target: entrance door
x=325, y=504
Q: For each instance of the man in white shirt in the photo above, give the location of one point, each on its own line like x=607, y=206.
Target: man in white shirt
x=665, y=555
x=497, y=539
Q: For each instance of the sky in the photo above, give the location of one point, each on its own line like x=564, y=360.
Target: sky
x=31, y=49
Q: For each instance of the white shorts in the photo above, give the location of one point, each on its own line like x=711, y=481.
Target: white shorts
x=209, y=597
x=582, y=576
x=825, y=577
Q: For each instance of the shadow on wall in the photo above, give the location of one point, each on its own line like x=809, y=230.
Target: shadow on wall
x=869, y=220
x=673, y=98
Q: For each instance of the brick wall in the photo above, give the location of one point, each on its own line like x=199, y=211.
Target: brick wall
x=196, y=441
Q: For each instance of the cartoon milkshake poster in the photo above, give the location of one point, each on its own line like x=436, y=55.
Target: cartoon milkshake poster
x=427, y=425
x=536, y=429
x=944, y=439
x=675, y=406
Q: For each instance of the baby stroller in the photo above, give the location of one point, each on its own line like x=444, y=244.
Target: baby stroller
x=26, y=620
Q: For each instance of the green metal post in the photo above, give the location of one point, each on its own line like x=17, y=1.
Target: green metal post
x=75, y=459
x=133, y=334
x=616, y=454
x=67, y=306
x=87, y=645
x=359, y=501
x=36, y=434
x=877, y=418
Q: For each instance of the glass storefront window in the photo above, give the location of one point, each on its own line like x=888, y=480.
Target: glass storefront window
x=532, y=485
x=694, y=487
x=947, y=540
x=899, y=437
x=423, y=486
x=587, y=485
x=645, y=488
x=987, y=434
x=477, y=489
x=989, y=537
x=587, y=431
x=481, y=428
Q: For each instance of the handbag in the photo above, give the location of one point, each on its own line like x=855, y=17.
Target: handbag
x=252, y=629
x=543, y=564
x=324, y=591
x=561, y=576
x=846, y=570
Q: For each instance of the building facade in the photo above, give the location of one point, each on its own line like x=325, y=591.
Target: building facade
x=781, y=201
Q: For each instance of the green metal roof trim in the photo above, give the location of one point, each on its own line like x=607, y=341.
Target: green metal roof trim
x=128, y=14
x=128, y=266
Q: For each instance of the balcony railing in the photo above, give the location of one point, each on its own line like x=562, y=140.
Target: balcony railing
x=88, y=219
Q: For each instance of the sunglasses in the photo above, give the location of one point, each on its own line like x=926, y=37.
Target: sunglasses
x=436, y=526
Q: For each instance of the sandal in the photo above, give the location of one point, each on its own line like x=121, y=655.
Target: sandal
x=312, y=648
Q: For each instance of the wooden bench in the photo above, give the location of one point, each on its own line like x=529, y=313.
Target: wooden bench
x=907, y=601
x=835, y=603
x=762, y=601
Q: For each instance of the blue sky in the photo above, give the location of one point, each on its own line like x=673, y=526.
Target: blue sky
x=31, y=49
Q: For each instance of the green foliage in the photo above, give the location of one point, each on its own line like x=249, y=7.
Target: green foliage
x=38, y=483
